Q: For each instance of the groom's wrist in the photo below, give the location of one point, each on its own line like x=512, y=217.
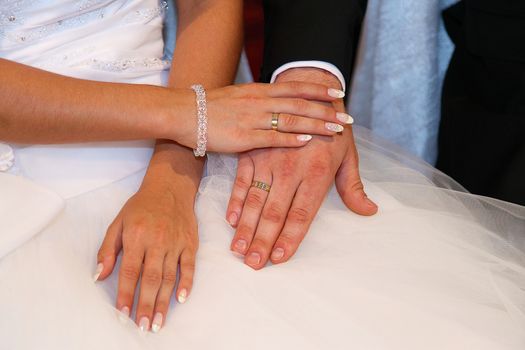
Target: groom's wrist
x=318, y=76
x=325, y=67
x=311, y=75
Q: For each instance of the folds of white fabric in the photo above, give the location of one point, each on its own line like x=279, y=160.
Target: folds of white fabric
x=25, y=210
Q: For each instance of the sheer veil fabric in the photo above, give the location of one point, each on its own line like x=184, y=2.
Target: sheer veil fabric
x=436, y=268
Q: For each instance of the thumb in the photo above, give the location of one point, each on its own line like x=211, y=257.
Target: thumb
x=109, y=250
x=350, y=187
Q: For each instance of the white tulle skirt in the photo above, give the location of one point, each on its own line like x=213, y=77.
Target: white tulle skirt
x=436, y=268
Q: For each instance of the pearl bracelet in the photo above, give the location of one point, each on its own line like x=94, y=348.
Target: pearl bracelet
x=202, y=120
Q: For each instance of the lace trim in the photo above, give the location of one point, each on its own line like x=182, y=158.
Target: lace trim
x=88, y=11
x=7, y=157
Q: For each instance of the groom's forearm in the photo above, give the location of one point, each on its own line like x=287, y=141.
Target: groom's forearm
x=209, y=41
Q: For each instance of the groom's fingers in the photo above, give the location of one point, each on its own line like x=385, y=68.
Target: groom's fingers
x=251, y=212
x=241, y=186
x=109, y=250
x=272, y=219
x=350, y=187
x=305, y=205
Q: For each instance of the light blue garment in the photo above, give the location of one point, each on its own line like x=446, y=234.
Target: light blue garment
x=396, y=90
x=170, y=30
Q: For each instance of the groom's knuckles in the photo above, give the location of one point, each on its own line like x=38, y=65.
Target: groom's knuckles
x=273, y=212
x=244, y=232
x=300, y=215
x=255, y=200
x=318, y=168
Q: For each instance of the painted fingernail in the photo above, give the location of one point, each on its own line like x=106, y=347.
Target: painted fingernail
x=232, y=219
x=157, y=322
x=123, y=314
x=98, y=271
x=304, y=138
x=277, y=254
x=334, y=127
x=183, y=294
x=345, y=118
x=240, y=246
x=144, y=324
x=253, y=259
x=336, y=93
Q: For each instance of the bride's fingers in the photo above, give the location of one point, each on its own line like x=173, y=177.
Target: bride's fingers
x=187, y=270
x=308, y=91
x=270, y=138
x=109, y=250
x=149, y=287
x=128, y=277
x=298, y=124
x=308, y=109
x=169, y=278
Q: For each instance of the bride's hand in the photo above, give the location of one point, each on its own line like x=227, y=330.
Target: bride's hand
x=157, y=232
x=240, y=116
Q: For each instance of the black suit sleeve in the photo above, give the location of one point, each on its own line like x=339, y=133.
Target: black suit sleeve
x=304, y=30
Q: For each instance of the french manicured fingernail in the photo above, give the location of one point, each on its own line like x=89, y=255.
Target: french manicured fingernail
x=183, y=294
x=144, y=324
x=304, y=138
x=345, y=118
x=334, y=127
x=98, y=271
x=157, y=322
x=336, y=93
x=232, y=219
x=240, y=246
x=253, y=259
x=277, y=254
x=123, y=314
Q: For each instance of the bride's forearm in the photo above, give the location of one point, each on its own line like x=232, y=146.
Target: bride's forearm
x=209, y=40
x=42, y=107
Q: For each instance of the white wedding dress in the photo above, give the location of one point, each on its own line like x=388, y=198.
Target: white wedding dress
x=436, y=268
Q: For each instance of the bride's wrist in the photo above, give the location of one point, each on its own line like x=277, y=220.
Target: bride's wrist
x=178, y=117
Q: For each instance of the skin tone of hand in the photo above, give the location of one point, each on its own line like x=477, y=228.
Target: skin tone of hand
x=213, y=27
x=156, y=236
x=239, y=116
x=271, y=226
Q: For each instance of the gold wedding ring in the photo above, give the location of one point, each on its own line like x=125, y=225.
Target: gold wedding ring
x=275, y=121
x=261, y=185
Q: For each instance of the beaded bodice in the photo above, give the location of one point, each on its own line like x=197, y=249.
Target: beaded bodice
x=104, y=40
x=99, y=35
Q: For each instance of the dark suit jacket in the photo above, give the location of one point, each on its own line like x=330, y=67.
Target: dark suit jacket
x=482, y=132
x=303, y=30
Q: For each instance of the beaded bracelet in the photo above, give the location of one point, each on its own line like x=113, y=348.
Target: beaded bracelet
x=202, y=120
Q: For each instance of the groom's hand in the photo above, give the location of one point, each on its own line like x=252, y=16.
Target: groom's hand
x=271, y=225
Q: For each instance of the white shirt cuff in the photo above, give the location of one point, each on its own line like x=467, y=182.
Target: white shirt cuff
x=313, y=64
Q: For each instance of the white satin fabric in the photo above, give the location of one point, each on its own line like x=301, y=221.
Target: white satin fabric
x=436, y=268
x=104, y=40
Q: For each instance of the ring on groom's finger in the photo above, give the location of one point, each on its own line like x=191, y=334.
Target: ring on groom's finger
x=261, y=185
x=275, y=121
